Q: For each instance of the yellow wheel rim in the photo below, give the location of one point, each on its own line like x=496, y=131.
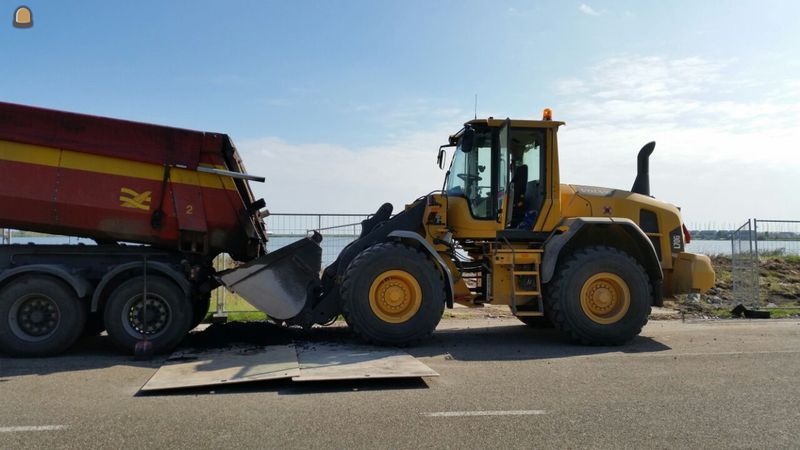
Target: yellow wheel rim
x=395, y=296
x=605, y=298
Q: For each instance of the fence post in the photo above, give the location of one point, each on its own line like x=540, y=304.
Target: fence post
x=756, y=265
x=220, y=316
x=733, y=263
x=755, y=227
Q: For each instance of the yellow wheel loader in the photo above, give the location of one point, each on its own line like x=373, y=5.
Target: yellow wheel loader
x=504, y=231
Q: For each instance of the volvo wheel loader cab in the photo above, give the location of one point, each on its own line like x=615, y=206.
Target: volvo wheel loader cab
x=588, y=260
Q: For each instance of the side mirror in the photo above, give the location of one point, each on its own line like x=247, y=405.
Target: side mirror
x=441, y=157
x=467, y=139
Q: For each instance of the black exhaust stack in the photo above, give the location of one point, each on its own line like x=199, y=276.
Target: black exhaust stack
x=641, y=185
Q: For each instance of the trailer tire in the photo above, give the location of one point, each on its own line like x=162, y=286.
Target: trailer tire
x=169, y=314
x=392, y=294
x=600, y=296
x=39, y=316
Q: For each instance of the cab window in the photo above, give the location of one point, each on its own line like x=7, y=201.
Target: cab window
x=527, y=148
x=471, y=176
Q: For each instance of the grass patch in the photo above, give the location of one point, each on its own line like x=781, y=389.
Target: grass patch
x=784, y=313
x=233, y=303
x=237, y=308
x=723, y=313
x=240, y=316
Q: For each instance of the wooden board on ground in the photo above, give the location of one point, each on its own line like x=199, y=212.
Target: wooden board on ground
x=330, y=361
x=227, y=366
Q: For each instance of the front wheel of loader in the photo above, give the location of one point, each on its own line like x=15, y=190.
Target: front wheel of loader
x=392, y=294
x=600, y=296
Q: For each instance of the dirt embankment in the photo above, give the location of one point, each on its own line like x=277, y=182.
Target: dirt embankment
x=779, y=289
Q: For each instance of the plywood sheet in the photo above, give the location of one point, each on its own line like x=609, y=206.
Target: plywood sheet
x=331, y=361
x=227, y=366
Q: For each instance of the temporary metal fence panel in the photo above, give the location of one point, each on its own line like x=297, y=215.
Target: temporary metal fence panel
x=776, y=237
x=744, y=265
x=5, y=236
x=337, y=230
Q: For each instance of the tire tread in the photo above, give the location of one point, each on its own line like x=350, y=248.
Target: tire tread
x=352, y=272
x=555, y=295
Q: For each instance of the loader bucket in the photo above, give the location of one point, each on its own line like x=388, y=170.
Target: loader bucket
x=278, y=283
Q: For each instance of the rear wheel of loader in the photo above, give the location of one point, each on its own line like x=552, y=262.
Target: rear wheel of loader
x=164, y=317
x=39, y=315
x=600, y=296
x=392, y=294
x=536, y=321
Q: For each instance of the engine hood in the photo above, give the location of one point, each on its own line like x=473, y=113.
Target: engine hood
x=594, y=201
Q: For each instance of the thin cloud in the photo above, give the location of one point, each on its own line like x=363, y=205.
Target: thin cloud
x=723, y=145
x=588, y=10
x=317, y=177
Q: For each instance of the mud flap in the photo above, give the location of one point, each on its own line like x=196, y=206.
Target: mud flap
x=278, y=282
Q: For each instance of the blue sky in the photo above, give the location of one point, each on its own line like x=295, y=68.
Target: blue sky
x=343, y=103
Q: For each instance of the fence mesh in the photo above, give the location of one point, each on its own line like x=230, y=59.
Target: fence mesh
x=337, y=231
x=777, y=237
x=744, y=265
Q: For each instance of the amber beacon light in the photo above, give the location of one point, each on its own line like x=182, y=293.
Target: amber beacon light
x=547, y=114
x=23, y=18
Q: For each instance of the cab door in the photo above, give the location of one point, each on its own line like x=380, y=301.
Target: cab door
x=527, y=175
x=477, y=183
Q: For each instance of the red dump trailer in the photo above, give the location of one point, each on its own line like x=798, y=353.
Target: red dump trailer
x=160, y=203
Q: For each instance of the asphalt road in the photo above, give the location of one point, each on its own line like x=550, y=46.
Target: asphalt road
x=718, y=384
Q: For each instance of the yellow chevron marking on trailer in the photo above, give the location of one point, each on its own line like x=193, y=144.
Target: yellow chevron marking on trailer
x=67, y=159
x=131, y=199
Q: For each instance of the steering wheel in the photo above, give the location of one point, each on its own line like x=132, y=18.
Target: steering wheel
x=469, y=177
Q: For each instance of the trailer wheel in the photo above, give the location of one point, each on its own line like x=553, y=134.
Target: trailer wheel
x=392, y=294
x=167, y=319
x=600, y=296
x=39, y=315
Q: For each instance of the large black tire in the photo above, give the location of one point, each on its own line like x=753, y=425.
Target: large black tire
x=200, y=310
x=586, y=297
x=399, y=277
x=169, y=314
x=39, y=315
x=536, y=321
